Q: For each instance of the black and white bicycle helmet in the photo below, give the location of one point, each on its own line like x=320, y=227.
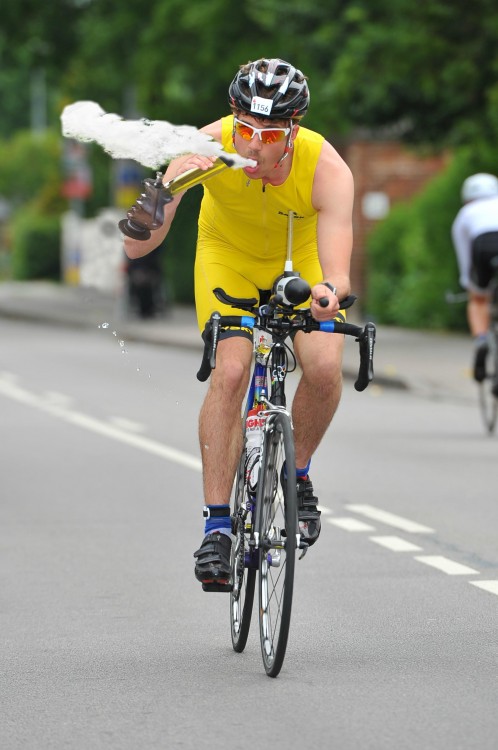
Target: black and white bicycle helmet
x=481, y=185
x=270, y=88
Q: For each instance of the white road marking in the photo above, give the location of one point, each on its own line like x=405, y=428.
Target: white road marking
x=13, y=391
x=61, y=399
x=127, y=424
x=350, y=524
x=395, y=543
x=491, y=586
x=56, y=404
x=390, y=519
x=450, y=567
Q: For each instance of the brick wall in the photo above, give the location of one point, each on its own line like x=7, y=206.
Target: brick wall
x=387, y=168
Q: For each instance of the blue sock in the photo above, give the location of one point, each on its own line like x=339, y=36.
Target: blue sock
x=300, y=473
x=218, y=523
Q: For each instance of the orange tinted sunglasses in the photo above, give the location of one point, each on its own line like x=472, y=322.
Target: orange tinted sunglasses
x=266, y=135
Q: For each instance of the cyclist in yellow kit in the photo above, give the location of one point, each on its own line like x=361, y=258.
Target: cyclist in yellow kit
x=242, y=248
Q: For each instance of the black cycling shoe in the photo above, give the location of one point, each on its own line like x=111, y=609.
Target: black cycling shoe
x=212, y=567
x=480, y=362
x=307, y=511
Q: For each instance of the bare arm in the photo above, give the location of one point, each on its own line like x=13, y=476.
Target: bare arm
x=333, y=194
x=139, y=248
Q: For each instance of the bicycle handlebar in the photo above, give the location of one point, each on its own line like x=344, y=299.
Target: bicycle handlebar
x=302, y=321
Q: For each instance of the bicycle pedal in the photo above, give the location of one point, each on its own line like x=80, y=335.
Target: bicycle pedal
x=215, y=586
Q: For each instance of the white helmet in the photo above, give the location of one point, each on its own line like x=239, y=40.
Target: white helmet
x=480, y=185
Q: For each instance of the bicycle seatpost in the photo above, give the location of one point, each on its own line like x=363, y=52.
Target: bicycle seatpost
x=290, y=286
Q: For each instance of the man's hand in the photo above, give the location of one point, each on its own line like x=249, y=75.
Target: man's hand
x=185, y=164
x=319, y=312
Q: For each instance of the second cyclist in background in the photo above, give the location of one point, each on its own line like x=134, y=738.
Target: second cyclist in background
x=475, y=238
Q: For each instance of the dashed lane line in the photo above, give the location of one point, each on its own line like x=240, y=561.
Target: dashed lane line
x=396, y=544
x=11, y=390
x=450, y=567
x=491, y=586
x=390, y=519
x=56, y=405
x=350, y=524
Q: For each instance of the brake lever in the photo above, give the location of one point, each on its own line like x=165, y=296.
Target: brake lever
x=366, y=342
x=210, y=337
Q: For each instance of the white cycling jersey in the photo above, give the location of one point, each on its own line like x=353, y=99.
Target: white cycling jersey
x=475, y=218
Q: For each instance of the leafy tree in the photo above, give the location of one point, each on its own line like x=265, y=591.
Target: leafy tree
x=427, y=69
x=423, y=72
x=31, y=170
x=36, y=42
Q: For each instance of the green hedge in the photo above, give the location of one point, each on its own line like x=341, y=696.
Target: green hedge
x=411, y=261
x=35, y=247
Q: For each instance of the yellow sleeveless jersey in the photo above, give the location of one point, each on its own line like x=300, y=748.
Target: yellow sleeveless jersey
x=242, y=240
x=253, y=220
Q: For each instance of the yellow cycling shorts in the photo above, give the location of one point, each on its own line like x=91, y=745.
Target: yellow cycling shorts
x=240, y=275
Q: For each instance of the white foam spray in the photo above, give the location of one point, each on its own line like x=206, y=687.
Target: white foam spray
x=152, y=143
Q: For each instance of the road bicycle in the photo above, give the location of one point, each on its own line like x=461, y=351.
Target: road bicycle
x=488, y=388
x=264, y=511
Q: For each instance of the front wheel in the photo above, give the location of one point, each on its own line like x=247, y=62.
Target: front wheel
x=278, y=539
x=244, y=562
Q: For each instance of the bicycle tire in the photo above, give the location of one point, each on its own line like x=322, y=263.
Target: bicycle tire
x=244, y=565
x=277, y=525
x=488, y=401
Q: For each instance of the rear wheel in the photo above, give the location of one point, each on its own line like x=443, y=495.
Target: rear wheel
x=278, y=530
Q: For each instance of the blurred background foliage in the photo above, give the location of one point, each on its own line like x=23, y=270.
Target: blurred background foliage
x=423, y=73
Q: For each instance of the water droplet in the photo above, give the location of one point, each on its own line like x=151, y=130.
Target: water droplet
x=121, y=344
x=104, y=325
x=114, y=333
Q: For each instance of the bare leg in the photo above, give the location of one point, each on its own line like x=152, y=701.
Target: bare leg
x=220, y=431
x=319, y=390
x=478, y=314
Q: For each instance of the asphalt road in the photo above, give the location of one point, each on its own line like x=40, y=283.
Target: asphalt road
x=108, y=641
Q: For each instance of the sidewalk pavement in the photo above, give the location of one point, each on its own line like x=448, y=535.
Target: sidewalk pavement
x=433, y=364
